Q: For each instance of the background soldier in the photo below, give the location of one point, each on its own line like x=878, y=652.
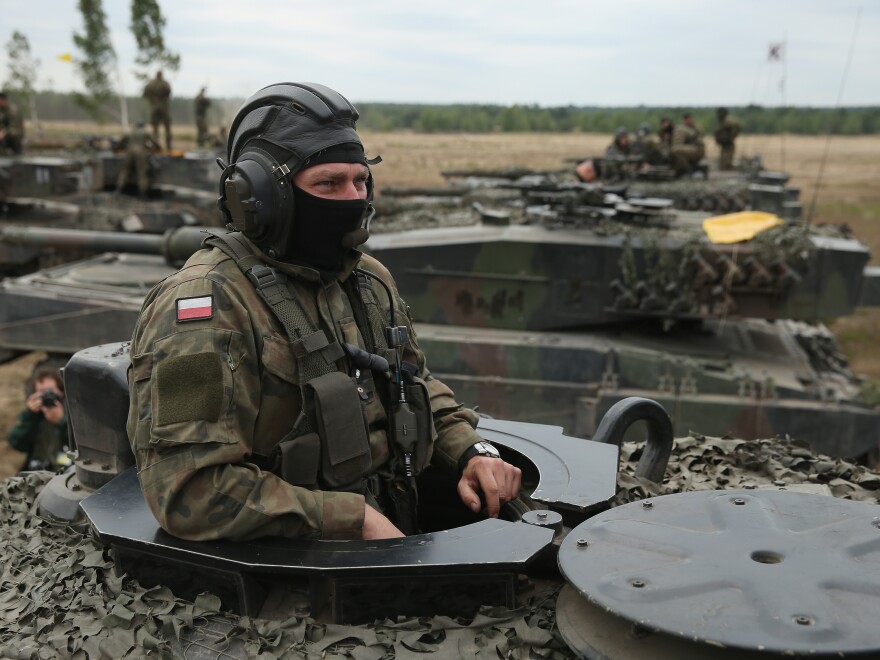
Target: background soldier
x=656, y=147
x=158, y=93
x=617, y=156
x=202, y=102
x=11, y=126
x=725, y=136
x=41, y=429
x=138, y=148
x=687, y=146
x=640, y=143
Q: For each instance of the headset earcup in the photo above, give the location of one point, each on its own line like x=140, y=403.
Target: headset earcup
x=256, y=195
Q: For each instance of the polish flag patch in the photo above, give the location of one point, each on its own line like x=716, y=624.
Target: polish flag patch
x=195, y=309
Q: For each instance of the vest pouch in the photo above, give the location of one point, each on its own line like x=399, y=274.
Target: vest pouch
x=345, y=455
x=416, y=413
x=297, y=460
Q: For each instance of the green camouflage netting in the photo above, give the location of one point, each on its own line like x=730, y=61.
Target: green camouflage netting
x=60, y=597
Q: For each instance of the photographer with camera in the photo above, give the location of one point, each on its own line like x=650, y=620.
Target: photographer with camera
x=41, y=430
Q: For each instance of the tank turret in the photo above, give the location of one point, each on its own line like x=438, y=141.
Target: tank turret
x=547, y=298
x=95, y=300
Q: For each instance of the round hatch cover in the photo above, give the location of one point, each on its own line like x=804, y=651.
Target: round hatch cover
x=761, y=570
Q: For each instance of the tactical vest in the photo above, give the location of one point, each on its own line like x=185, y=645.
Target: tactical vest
x=328, y=444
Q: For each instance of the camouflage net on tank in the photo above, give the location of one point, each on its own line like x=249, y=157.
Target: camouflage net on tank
x=704, y=463
x=60, y=597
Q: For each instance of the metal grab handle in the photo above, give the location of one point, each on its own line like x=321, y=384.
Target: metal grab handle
x=658, y=447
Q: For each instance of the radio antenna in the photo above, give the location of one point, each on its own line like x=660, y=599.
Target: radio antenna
x=822, y=162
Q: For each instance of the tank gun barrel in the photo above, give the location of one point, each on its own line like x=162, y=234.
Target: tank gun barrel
x=176, y=245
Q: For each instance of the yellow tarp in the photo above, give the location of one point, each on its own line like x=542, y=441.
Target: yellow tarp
x=738, y=227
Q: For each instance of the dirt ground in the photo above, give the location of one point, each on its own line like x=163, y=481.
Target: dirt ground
x=848, y=193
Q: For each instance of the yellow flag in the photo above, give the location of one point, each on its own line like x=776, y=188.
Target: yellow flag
x=738, y=227
x=66, y=57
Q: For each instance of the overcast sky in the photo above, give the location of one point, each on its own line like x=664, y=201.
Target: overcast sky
x=546, y=52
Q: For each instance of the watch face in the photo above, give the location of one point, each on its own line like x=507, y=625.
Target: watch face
x=486, y=449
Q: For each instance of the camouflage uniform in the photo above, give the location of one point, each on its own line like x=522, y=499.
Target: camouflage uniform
x=687, y=148
x=12, y=128
x=209, y=397
x=202, y=102
x=725, y=135
x=139, y=146
x=158, y=93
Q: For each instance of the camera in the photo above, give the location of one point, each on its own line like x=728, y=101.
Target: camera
x=49, y=398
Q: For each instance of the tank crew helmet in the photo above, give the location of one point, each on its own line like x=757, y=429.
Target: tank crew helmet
x=279, y=131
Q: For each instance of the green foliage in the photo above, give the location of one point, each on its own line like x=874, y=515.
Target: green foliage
x=97, y=57
x=387, y=117
x=147, y=24
x=526, y=118
x=22, y=70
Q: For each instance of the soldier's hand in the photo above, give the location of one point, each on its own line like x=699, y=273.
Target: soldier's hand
x=377, y=526
x=34, y=402
x=499, y=482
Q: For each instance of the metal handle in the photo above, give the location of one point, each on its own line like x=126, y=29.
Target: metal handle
x=658, y=447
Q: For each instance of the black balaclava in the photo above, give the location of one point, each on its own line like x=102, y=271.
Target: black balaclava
x=325, y=230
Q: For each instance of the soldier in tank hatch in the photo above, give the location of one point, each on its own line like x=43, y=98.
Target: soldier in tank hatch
x=138, y=147
x=277, y=385
x=687, y=146
x=11, y=127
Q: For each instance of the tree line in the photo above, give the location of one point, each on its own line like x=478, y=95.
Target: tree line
x=480, y=118
x=535, y=119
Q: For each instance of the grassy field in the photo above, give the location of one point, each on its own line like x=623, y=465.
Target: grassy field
x=849, y=193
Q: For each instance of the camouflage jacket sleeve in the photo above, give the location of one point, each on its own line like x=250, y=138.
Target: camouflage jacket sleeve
x=23, y=435
x=455, y=424
x=195, y=398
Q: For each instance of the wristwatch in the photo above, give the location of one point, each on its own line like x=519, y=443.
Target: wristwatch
x=481, y=448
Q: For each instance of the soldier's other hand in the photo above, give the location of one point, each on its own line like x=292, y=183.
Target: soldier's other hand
x=377, y=526
x=499, y=482
x=34, y=402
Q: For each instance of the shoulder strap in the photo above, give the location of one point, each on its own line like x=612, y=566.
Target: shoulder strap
x=306, y=339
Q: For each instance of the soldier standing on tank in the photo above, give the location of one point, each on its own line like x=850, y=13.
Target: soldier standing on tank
x=725, y=135
x=277, y=387
x=11, y=126
x=158, y=93
x=687, y=146
x=202, y=102
x=139, y=146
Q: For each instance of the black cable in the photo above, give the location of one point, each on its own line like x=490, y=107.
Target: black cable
x=852, y=45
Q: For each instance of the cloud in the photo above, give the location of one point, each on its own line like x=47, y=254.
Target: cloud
x=553, y=52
